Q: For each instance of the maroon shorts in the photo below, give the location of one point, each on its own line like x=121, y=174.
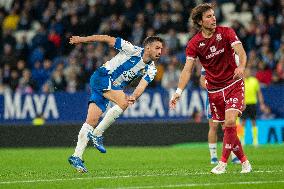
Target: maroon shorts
x=228, y=98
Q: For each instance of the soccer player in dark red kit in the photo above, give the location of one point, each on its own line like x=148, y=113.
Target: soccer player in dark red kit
x=216, y=46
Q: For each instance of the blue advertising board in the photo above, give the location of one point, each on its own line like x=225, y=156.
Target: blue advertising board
x=269, y=131
x=72, y=108
x=67, y=108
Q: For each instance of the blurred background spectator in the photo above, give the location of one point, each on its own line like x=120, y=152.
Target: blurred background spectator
x=35, y=55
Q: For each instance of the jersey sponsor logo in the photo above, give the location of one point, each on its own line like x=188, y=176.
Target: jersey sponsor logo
x=201, y=44
x=213, y=49
x=214, y=52
x=128, y=75
x=218, y=37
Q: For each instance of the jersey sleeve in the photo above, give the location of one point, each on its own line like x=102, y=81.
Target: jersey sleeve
x=191, y=51
x=232, y=37
x=150, y=72
x=127, y=47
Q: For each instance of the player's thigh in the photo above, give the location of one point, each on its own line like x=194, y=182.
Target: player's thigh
x=94, y=114
x=234, y=103
x=118, y=97
x=217, y=106
x=231, y=118
x=234, y=97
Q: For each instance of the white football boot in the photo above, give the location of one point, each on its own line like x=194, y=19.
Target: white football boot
x=246, y=167
x=220, y=168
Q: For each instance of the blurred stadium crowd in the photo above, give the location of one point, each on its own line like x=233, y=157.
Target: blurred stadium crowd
x=35, y=55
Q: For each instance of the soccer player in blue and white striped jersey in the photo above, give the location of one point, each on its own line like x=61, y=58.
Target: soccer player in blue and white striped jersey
x=107, y=84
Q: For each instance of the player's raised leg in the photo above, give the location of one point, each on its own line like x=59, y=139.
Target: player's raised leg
x=120, y=100
x=121, y=103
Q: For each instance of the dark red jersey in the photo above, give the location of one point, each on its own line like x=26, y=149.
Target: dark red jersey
x=216, y=56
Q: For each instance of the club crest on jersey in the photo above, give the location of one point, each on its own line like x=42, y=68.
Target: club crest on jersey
x=218, y=37
x=201, y=44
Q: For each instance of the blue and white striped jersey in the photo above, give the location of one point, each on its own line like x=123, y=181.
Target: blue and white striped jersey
x=128, y=64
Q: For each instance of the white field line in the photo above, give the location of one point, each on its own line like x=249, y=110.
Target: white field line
x=201, y=184
x=126, y=176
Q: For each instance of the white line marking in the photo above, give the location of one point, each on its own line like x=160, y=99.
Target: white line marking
x=201, y=184
x=124, y=176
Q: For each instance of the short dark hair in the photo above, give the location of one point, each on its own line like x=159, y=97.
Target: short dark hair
x=197, y=13
x=152, y=39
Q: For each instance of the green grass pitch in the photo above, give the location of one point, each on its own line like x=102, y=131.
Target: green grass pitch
x=178, y=166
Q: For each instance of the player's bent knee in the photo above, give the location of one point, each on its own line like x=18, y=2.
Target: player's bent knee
x=230, y=122
x=93, y=121
x=115, y=111
x=213, y=129
x=123, y=105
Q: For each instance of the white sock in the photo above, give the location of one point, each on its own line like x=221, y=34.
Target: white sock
x=213, y=150
x=82, y=140
x=110, y=117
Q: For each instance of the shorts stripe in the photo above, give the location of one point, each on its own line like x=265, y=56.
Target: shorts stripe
x=234, y=109
x=214, y=120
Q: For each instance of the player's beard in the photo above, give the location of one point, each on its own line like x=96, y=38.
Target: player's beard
x=209, y=29
x=155, y=58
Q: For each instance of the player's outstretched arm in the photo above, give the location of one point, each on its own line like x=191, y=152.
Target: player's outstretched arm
x=93, y=38
x=138, y=91
x=183, y=80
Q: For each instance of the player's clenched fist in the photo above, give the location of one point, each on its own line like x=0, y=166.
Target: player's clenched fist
x=131, y=100
x=75, y=40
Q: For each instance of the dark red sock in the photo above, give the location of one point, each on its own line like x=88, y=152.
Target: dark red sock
x=238, y=150
x=230, y=135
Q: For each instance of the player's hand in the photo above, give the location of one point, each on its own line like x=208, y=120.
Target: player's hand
x=75, y=40
x=131, y=100
x=239, y=72
x=173, y=102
